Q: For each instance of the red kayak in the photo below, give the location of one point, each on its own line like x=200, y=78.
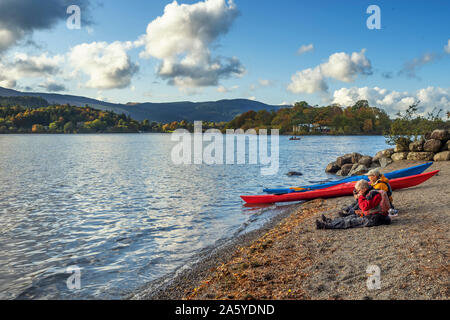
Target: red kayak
x=345, y=189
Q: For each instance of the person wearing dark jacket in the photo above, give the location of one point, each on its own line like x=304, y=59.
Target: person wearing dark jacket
x=369, y=214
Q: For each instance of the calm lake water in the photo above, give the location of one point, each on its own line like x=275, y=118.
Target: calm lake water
x=116, y=206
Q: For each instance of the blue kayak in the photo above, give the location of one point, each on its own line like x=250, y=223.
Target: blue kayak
x=391, y=175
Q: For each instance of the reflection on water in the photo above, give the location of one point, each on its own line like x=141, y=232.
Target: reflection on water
x=115, y=206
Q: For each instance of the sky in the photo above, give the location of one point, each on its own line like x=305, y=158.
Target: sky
x=276, y=52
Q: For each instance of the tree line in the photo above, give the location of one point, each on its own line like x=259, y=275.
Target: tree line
x=67, y=119
x=300, y=119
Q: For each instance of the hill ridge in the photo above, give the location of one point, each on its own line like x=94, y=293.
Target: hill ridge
x=217, y=111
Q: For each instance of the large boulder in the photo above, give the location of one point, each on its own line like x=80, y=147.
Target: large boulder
x=442, y=156
x=383, y=154
x=346, y=168
x=401, y=148
x=432, y=145
x=384, y=162
x=440, y=134
x=427, y=156
x=416, y=146
x=375, y=165
x=345, y=159
x=359, y=170
x=446, y=146
x=332, y=167
x=399, y=156
x=366, y=160
x=356, y=157
x=402, y=145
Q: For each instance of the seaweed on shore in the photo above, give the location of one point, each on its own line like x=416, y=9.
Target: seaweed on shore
x=250, y=273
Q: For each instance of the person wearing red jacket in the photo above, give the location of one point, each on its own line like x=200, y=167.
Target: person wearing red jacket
x=370, y=215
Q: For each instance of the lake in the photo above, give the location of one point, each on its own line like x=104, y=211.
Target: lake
x=116, y=206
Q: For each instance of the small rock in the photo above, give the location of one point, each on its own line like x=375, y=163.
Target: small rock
x=365, y=160
x=432, y=145
x=442, y=156
x=384, y=162
x=440, y=134
x=427, y=156
x=399, y=156
x=356, y=157
x=416, y=146
x=294, y=173
x=359, y=170
x=332, y=167
x=346, y=168
x=345, y=159
x=383, y=154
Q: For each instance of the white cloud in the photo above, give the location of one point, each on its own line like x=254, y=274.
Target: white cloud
x=447, y=47
x=181, y=38
x=223, y=89
x=252, y=98
x=394, y=101
x=52, y=86
x=305, y=48
x=308, y=81
x=107, y=65
x=36, y=66
x=7, y=83
x=340, y=66
x=8, y=38
x=409, y=69
x=343, y=67
x=22, y=66
x=265, y=83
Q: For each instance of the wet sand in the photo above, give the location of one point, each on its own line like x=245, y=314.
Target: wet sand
x=290, y=259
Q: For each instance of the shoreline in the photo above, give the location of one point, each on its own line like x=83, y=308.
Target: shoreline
x=289, y=259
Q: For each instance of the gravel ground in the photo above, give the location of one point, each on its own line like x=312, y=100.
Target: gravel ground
x=290, y=259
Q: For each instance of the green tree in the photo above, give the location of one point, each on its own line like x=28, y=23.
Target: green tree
x=68, y=127
x=53, y=127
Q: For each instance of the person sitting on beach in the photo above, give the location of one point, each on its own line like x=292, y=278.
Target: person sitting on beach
x=378, y=182
x=373, y=204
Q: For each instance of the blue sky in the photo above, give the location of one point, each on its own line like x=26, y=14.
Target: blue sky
x=405, y=60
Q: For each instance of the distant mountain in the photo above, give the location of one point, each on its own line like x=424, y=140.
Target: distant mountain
x=222, y=110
